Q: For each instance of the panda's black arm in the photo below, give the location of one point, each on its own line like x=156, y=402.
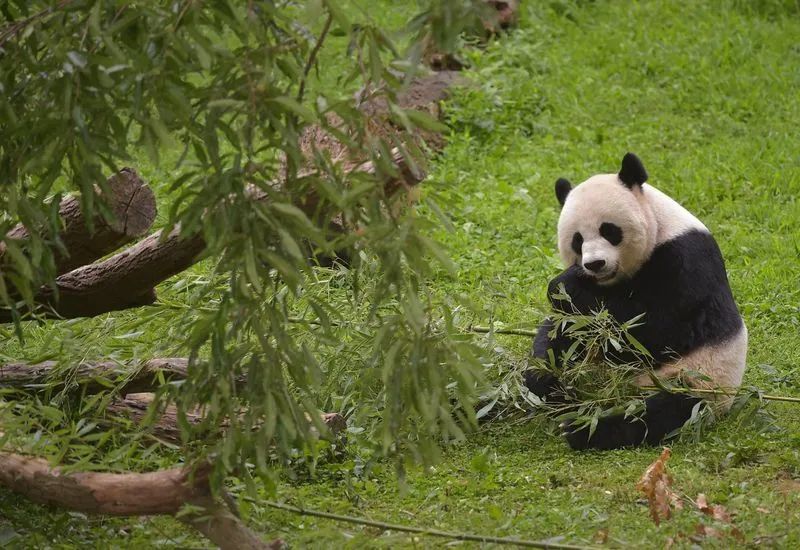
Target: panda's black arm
x=661, y=330
x=585, y=295
x=544, y=383
x=664, y=413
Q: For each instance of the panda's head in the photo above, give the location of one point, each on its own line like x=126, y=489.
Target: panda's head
x=606, y=225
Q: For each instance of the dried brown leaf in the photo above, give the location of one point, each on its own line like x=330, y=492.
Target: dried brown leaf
x=655, y=483
x=600, y=537
x=706, y=531
x=716, y=511
x=788, y=486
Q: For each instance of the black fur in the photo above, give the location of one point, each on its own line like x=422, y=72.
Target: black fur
x=611, y=232
x=545, y=385
x=664, y=413
x=684, y=293
x=563, y=187
x=632, y=171
x=577, y=243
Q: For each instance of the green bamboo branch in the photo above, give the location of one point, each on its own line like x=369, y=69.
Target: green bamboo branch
x=765, y=397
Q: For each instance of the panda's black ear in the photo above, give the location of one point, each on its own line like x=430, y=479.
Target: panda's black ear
x=632, y=171
x=563, y=187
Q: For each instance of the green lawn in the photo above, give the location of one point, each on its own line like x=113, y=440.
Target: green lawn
x=707, y=96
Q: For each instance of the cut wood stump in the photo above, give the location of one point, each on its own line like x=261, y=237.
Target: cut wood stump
x=132, y=208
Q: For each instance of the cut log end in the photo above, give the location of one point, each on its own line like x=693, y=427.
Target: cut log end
x=132, y=207
x=132, y=203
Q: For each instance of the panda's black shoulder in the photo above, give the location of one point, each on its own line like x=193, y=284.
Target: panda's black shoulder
x=690, y=264
x=684, y=288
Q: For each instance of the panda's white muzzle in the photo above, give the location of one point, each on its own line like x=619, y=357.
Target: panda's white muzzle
x=600, y=261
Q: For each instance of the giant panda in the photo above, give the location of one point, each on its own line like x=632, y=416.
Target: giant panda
x=630, y=247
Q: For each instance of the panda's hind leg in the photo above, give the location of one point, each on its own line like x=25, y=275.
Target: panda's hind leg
x=664, y=413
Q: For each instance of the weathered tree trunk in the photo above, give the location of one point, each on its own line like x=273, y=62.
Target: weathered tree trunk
x=221, y=526
x=128, y=279
x=134, y=407
x=163, y=492
x=122, y=281
x=132, y=206
x=94, y=376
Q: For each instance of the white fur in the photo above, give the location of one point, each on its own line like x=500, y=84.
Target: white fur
x=646, y=216
x=720, y=367
x=672, y=219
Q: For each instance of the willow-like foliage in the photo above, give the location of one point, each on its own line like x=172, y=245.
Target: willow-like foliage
x=216, y=94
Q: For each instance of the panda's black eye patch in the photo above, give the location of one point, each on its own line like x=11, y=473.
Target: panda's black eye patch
x=577, y=243
x=612, y=233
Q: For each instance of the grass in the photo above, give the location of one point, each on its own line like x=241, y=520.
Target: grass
x=704, y=94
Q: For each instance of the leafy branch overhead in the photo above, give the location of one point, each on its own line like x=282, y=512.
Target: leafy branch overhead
x=262, y=167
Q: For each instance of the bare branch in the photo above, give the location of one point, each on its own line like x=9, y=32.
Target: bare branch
x=164, y=492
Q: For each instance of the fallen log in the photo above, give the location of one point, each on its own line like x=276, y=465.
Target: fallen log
x=94, y=376
x=423, y=93
x=127, y=279
x=132, y=207
x=122, y=281
x=163, y=492
x=134, y=407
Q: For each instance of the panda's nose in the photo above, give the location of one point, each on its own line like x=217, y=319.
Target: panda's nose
x=595, y=266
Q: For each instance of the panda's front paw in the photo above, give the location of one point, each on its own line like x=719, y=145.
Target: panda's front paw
x=541, y=383
x=583, y=291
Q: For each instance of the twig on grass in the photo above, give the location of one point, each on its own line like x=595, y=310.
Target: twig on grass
x=419, y=530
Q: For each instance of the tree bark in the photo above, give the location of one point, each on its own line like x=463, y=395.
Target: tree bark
x=122, y=281
x=163, y=492
x=134, y=407
x=128, y=279
x=93, y=377
x=221, y=526
x=132, y=207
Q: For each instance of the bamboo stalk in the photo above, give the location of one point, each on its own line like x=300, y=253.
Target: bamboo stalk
x=728, y=393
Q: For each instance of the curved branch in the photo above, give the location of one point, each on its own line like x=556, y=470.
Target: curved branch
x=164, y=492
